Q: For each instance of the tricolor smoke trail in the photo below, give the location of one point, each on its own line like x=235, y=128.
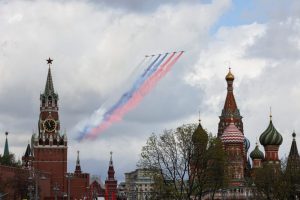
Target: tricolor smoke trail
x=130, y=99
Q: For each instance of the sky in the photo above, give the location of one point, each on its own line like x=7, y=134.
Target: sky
x=96, y=46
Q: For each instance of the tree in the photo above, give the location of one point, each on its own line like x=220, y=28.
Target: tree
x=9, y=160
x=182, y=167
x=273, y=182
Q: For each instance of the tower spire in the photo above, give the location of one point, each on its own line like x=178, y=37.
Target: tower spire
x=111, y=161
x=230, y=108
x=293, y=162
x=6, y=150
x=294, y=149
x=78, y=168
x=111, y=182
x=49, y=89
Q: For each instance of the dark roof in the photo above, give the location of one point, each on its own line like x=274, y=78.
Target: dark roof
x=28, y=151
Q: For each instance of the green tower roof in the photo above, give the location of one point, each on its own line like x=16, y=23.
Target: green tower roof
x=6, y=150
x=270, y=136
x=256, y=153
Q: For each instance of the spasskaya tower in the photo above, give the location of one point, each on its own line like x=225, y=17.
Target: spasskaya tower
x=49, y=144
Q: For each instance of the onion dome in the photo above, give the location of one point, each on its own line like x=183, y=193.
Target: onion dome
x=200, y=136
x=247, y=144
x=229, y=76
x=232, y=134
x=270, y=136
x=256, y=153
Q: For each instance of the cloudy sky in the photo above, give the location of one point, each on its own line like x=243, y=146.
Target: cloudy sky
x=96, y=45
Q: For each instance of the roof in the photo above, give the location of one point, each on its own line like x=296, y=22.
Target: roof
x=6, y=150
x=270, y=136
x=256, y=153
x=232, y=134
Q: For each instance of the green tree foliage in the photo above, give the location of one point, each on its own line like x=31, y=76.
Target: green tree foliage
x=9, y=161
x=183, y=166
x=277, y=182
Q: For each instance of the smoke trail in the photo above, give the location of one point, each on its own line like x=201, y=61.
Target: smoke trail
x=137, y=96
x=127, y=95
x=99, y=114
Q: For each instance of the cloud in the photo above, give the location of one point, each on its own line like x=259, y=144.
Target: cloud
x=142, y=6
x=264, y=60
x=94, y=50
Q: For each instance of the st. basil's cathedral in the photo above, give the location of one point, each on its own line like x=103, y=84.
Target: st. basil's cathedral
x=236, y=146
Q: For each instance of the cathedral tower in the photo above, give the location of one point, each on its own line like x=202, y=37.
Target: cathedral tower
x=257, y=157
x=271, y=139
x=231, y=114
x=49, y=145
x=293, y=162
x=233, y=142
x=230, y=108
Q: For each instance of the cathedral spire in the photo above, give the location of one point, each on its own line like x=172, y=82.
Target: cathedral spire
x=78, y=168
x=6, y=150
x=49, y=89
x=294, y=149
x=230, y=108
x=293, y=162
x=111, y=161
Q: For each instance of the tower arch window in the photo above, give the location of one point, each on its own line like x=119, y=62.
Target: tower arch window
x=49, y=100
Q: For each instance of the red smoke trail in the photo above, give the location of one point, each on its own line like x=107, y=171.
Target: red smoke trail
x=137, y=96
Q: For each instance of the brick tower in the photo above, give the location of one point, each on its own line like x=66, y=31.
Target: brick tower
x=233, y=143
x=111, y=182
x=49, y=145
x=231, y=114
x=230, y=109
x=271, y=139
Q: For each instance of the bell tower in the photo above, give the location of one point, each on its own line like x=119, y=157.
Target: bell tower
x=49, y=144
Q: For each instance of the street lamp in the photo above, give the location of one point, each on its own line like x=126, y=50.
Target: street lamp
x=69, y=176
x=30, y=190
x=35, y=175
x=55, y=189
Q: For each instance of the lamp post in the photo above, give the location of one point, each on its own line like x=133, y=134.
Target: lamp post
x=30, y=190
x=34, y=175
x=55, y=189
x=69, y=177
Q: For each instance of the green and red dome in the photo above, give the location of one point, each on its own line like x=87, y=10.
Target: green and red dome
x=256, y=153
x=270, y=136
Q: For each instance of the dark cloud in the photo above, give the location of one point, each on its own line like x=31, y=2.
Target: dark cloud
x=143, y=6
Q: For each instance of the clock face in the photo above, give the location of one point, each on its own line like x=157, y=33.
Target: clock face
x=49, y=125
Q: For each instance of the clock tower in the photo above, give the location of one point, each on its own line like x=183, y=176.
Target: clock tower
x=49, y=144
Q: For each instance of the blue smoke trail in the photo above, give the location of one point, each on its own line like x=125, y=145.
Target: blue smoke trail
x=127, y=95
x=88, y=126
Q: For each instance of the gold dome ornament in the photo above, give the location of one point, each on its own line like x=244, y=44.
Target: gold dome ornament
x=229, y=76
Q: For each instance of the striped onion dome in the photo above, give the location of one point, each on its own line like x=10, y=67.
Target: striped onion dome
x=232, y=134
x=256, y=153
x=270, y=136
x=247, y=144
